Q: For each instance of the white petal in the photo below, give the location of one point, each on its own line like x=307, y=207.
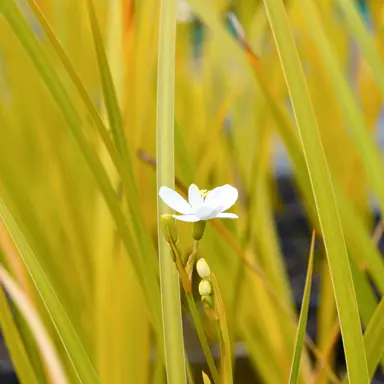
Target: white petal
x=213, y=195
x=227, y=215
x=175, y=201
x=188, y=218
x=205, y=212
x=194, y=196
x=223, y=197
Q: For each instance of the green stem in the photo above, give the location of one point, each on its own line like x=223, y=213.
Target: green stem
x=195, y=246
x=202, y=337
x=169, y=278
x=199, y=327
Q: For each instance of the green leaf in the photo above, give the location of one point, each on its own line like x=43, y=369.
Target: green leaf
x=67, y=333
x=368, y=150
x=205, y=378
x=140, y=233
x=322, y=189
x=365, y=41
x=110, y=98
x=15, y=345
x=294, y=374
x=147, y=276
x=165, y=172
x=225, y=343
x=120, y=159
x=366, y=297
x=374, y=340
x=48, y=351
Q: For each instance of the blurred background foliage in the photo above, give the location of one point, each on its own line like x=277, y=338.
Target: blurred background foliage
x=233, y=124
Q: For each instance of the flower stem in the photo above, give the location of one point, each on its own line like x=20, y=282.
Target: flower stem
x=169, y=279
x=199, y=326
x=202, y=337
x=195, y=246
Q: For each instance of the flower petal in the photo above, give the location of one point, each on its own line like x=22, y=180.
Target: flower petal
x=205, y=212
x=223, y=197
x=227, y=215
x=213, y=195
x=194, y=196
x=174, y=200
x=188, y=218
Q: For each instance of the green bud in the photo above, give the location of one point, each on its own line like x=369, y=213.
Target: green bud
x=168, y=224
x=198, y=230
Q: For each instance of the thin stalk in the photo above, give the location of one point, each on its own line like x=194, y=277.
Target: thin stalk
x=199, y=326
x=169, y=279
x=202, y=337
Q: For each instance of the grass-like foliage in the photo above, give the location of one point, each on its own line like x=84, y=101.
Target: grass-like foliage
x=105, y=102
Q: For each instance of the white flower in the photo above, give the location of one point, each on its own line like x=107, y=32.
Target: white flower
x=184, y=12
x=202, y=205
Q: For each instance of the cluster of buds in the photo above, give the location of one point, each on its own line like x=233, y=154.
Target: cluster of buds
x=205, y=287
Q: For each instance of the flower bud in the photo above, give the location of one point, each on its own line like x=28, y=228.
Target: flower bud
x=169, y=227
x=205, y=288
x=203, y=269
x=198, y=230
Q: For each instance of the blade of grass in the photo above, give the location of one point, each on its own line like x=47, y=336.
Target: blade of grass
x=374, y=340
x=369, y=153
x=110, y=98
x=322, y=189
x=225, y=343
x=60, y=320
x=93, y=112
x=15, y=345
x=117, y=127
x=46, y=347
x=358, y=30
x=205, y=378
x=294, y=374
x=120, y=159
x=290, y=139
x=147, y=276
x=169, y=278
x=351, y=222
x=367, y=302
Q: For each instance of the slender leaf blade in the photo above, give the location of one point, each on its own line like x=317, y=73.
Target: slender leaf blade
x=225, y=343
x=205, y=378
x=322, y=189
x=374, y=340
x=15, y=345
x=165, y=175
x=294, y=374
x=147, y=276
x=67, y=333
x=53, y=364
